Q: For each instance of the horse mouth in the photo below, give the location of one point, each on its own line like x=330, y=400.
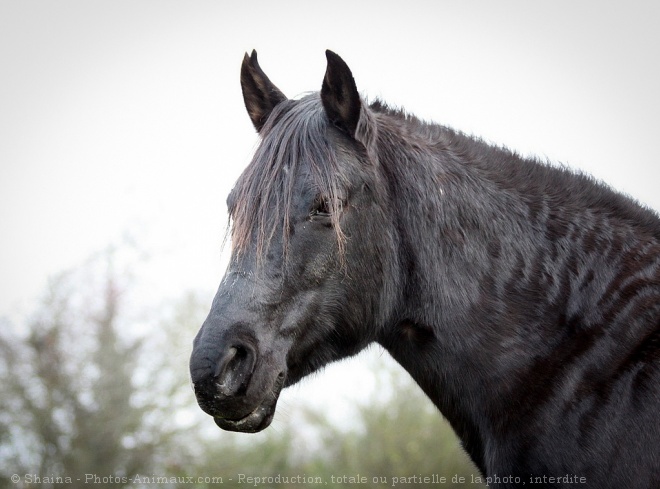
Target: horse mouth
x=261, y=417
x=254, y=422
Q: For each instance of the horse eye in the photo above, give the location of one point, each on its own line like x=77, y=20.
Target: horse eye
x=325, y=206
x=322, y=208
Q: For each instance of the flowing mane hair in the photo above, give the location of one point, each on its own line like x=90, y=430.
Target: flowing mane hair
x=294, y=141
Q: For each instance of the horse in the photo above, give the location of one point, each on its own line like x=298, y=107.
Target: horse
x=522, y=297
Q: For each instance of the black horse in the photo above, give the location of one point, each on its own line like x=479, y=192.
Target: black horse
x=523, y=298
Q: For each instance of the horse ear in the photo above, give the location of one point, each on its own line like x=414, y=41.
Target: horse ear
x=259, y=93
x=339, y=94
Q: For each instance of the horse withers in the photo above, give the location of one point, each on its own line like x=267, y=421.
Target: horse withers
x=523, y=298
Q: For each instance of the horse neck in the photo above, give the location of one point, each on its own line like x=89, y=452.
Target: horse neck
x=489, y=258
x=454, y=225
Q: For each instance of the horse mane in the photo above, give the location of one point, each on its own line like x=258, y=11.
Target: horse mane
x=533, y=179
x=294, y=139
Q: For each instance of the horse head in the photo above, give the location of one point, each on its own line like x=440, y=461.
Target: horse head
x=311, y=248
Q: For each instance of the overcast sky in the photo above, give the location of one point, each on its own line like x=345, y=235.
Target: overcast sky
x=123, y=118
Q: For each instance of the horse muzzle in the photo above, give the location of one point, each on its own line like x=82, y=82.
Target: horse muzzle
x=236, y=385
x=260, y=417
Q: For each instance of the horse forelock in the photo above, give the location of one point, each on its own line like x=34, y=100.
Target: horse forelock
x=294, y=142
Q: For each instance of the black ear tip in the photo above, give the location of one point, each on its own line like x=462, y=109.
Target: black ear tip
x=332, y=57
x=250, y=61
x=259, y=93
x=336, y=63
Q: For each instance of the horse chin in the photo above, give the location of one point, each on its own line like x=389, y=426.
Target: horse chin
x=257, y=420
x=260, y=418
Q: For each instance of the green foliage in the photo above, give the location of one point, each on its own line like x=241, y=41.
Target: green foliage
x=70, y=403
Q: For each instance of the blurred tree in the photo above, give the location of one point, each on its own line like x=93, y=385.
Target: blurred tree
x=70, y=405
x=400, y=435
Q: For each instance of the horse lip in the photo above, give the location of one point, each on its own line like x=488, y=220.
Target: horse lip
x=254, y=422
x=261, y=417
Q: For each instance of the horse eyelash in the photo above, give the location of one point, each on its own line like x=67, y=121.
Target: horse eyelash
x=323, y=207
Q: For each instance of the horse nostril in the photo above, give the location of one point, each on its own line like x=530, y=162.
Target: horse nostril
x=224, y=361
x=234, y=369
